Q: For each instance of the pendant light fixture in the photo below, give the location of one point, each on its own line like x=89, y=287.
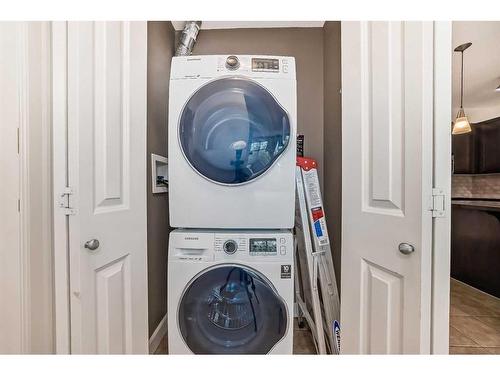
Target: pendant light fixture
x=461, y=124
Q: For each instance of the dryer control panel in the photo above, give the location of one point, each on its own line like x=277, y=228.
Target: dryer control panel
x=265, y=65
x=214, y=66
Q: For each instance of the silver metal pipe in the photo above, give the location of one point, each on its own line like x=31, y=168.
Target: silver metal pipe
x=187, y=39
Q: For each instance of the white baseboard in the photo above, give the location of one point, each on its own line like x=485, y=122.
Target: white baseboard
x=158, y=335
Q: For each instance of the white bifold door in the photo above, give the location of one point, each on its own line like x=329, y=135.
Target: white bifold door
x=11, y=297
x=387, y=146
x=106, y=148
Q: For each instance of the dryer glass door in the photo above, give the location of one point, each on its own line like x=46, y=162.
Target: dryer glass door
x=231, y=310
x=232, y=130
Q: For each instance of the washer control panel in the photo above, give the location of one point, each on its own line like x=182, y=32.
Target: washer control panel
x=230, y=246
x=250, y=246
x=262, y=246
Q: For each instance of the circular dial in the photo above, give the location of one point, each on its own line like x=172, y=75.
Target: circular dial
x=232, y=63
x=230, y=247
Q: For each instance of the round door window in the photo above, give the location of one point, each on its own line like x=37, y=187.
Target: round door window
x=231, y=310
x=232, y=130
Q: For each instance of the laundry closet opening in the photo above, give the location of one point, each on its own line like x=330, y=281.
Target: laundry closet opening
x=318, y=62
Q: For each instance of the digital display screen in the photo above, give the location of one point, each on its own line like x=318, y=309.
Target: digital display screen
x=265, y=65
x=263, y=245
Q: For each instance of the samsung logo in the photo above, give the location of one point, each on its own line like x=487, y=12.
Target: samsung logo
x=191, y=238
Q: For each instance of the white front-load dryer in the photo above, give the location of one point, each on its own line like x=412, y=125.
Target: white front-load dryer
x=230, y=292
x=232, y=142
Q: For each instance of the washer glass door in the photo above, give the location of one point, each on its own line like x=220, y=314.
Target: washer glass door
x=231, y=310
x=232, y=130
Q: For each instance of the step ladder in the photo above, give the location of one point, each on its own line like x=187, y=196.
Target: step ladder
x=316, y=293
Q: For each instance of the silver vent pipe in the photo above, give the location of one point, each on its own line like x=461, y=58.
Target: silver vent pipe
x=188, y=38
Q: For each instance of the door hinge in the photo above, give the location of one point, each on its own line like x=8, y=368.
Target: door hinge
x=65, y=201
x=438, y=203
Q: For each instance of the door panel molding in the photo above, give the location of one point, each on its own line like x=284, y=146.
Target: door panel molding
x=383, y=123
x=382, y=321
x=112, y=120
x=114, y=307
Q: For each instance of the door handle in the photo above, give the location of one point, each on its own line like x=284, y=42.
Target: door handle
x=92, y=244
x=406, y=248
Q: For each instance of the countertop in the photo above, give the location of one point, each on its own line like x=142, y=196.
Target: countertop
x=478, y=204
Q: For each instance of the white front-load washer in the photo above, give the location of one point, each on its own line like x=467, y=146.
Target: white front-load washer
x=230, y=292
x=232, y=142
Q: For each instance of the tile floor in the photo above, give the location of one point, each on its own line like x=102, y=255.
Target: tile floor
x=474, y=324
x=474, y=321
x=302, y=342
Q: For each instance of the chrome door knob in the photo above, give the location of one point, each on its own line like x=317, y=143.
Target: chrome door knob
x=92, y=244
x=406, y=248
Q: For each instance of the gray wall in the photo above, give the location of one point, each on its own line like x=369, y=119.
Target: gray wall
x=332, y=191
x=306, y=45
x=161, y=37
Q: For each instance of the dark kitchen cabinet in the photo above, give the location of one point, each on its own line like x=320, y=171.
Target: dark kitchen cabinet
x=488, y=144
x=462, y=147
x=478, y=151
x=475, y=247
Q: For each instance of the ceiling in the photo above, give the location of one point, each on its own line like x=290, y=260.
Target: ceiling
x=481, y=68
x=179, y=25
x=481, y=60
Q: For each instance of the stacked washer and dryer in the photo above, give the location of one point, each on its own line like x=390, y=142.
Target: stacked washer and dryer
x=231, y=148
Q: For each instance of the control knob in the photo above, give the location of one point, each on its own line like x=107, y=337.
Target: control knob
x=232, y=63
x=230, y=247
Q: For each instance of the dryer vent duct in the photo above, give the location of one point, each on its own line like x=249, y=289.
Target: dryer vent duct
x=188, y=38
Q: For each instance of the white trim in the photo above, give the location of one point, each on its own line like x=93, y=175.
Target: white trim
x=24, y=172
x=40, y=249
x=159, y=333
x=215, y=25
x=427, y=181
x=60, y=178
x=46, y=183
x=442, y=180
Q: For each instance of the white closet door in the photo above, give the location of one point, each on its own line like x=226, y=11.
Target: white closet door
x=11, y=306
x=387, y=124
x=107, y=173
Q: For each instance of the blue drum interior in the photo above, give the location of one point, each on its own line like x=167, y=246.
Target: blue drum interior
x=232, y=130
x=231, y=310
